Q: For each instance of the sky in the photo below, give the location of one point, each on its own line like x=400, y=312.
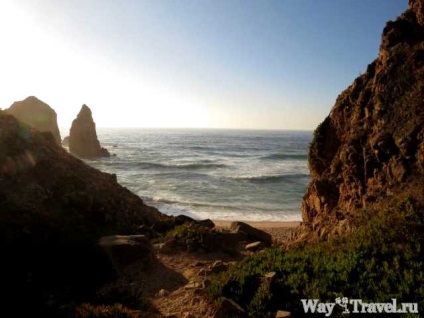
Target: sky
x=250, y=64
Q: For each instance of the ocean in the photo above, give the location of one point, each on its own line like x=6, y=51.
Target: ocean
x=216, y=174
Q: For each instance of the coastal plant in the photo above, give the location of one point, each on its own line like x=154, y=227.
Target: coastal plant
x=382, y=259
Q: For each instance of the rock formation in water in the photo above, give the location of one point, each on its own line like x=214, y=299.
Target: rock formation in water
x=370, y=149
x=83, y=140
x=53, y=210
x=65, y=141
x=37, y=114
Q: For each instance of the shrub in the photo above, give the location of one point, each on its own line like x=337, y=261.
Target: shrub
x=103, y=311
x=381, y=260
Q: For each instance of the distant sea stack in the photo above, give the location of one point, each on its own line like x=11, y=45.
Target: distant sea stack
x=370, y=150
x=83, y=140
x=36, y=114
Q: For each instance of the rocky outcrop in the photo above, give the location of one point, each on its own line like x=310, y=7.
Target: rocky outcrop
x=65, y=141
x=83, y=140
x=53, y=210
x=37, y=114
x=370, y=148
x=124, y=250
x=250, y=233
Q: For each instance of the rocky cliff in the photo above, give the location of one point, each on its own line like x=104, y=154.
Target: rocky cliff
x=53, y=210
x=83, y=140
x=370, y=149
x=36, y=114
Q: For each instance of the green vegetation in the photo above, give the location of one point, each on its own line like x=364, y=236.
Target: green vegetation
x=381, y=260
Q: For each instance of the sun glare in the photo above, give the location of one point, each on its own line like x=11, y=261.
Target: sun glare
x=69, y=76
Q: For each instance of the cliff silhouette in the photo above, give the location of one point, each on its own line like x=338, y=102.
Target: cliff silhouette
x=53, y=210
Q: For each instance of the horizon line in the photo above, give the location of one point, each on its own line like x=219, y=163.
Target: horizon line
x=200, y=128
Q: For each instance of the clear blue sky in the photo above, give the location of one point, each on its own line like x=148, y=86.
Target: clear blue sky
x=276, y=64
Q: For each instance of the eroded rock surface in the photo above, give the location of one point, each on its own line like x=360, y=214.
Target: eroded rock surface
x=37, y=114
x=83, y=140
x=370, y=148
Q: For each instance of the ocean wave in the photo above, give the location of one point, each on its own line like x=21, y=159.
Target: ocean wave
x=222, y=212
x=185, y=166
x=272, y=178
x=214, y=206
x=283, y=156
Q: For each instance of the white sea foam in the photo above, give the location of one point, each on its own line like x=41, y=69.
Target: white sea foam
x=217, y=174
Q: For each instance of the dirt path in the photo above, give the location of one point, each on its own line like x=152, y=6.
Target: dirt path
x=175, y=288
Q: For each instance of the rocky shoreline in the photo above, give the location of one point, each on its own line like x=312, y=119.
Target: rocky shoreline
x=75, y=243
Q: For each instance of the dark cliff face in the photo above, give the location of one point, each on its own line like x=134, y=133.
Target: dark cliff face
x=83, y=140
x=37, y=114
x=53, y=210
x=370, y=149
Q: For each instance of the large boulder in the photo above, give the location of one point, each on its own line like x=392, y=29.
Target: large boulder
x=124, y=250
x=83, y=140
x=251, y=233
x=37, y=114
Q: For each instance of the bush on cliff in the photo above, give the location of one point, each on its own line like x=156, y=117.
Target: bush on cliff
x=381, y=260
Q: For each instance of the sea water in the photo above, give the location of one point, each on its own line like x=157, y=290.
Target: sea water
x=217, y=174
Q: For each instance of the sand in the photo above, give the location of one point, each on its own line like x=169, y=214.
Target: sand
x=280, y=231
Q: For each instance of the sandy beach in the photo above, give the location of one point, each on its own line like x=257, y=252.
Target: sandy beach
x=280, y=231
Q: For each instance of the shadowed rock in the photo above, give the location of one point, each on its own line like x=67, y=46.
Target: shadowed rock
x=83, y=140
x=36, y=114
x=251, y=233
x=53, y=210
x=124, y=250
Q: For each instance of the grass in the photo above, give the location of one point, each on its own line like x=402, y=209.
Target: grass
x=381, y=260
x=112, y=311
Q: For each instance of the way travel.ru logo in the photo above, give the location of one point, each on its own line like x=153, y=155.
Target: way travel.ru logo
x=357, y=306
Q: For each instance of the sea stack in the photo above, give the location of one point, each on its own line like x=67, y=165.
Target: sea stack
x=370, y=149
x=36, y=114
x=83, y=140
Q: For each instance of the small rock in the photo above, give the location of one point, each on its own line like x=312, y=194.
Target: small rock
x=229, y=308
x=206, y=223
x=283, y=314
x=163, y=293
x=255, y=246
x=181, y=219
x=168, y=247
x=193, y=285
x=270, y=276
x=218, y=267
